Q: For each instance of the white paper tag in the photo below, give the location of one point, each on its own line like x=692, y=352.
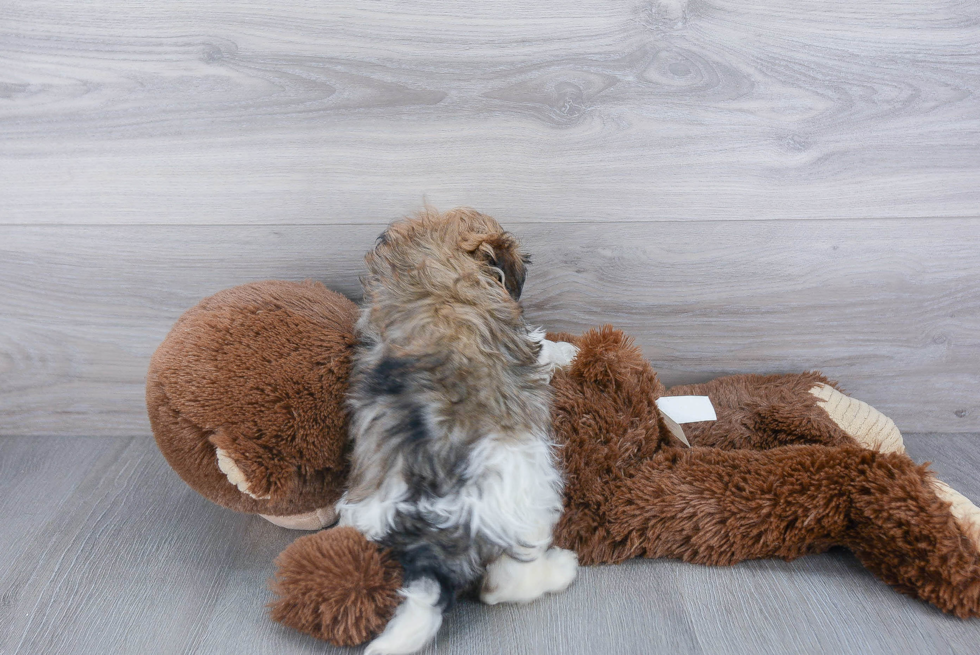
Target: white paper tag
x=687, y=409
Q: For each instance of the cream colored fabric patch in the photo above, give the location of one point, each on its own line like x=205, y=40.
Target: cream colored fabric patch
x=319, y=518
x=864, y=423
x=967, y=514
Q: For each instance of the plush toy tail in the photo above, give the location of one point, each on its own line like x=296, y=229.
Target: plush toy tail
x=337, y=586
x=719, y=507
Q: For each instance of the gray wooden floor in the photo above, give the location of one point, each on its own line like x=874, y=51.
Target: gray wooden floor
x=104, y=550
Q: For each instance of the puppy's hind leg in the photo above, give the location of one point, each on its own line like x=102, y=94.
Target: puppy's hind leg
x=509, y=580
x=415, y=623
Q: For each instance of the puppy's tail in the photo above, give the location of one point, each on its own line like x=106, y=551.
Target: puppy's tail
x=416, y=621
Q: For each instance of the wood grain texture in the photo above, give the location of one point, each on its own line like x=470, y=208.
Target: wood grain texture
x=891, y=309
x=243, y=112
x=40, y=486
x=122, y=557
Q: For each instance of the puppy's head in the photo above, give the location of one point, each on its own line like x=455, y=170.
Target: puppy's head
x=462, y=234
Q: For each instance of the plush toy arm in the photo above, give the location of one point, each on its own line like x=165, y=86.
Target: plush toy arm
x=766, y=411
x=711, y=506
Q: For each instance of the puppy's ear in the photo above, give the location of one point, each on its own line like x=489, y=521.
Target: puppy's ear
x=502, y=252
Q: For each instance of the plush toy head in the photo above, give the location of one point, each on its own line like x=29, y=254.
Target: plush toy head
x=260, y=371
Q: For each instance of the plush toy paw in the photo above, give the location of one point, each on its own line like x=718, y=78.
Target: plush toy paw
x=511, y=581
x=859, y=420
x=235, y=474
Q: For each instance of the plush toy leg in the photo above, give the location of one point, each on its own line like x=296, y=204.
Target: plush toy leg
x=712, y=506
x=762, y=411
x=873, y=430
x=967, y=514
x=756, y=411
x=921, y=538
x=766, y=411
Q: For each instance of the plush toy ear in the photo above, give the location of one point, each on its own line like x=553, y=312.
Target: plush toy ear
x=501, y=252
x=609, y=358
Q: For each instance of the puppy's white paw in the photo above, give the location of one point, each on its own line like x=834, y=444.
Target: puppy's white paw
x=557, y=354
x=511, y=581
x=565, y=354
x=563, y=568
x=234, y=474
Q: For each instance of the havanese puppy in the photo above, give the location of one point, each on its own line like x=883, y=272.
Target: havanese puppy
x=453, y=466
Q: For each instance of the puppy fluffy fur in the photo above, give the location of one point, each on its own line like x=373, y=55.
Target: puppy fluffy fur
x=453, y=466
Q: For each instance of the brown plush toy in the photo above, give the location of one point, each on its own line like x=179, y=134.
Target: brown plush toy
x=246, y=401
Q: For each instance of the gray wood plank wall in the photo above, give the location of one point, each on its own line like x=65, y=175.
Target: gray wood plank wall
x=745, y=186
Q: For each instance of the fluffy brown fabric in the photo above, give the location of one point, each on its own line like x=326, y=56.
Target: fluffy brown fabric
x=261, y=371
x=606, y=420
x=716, y=507
x=337, y=586
x=773, y=477
x=632, y=493
x=605, y=423
x=763, y=411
